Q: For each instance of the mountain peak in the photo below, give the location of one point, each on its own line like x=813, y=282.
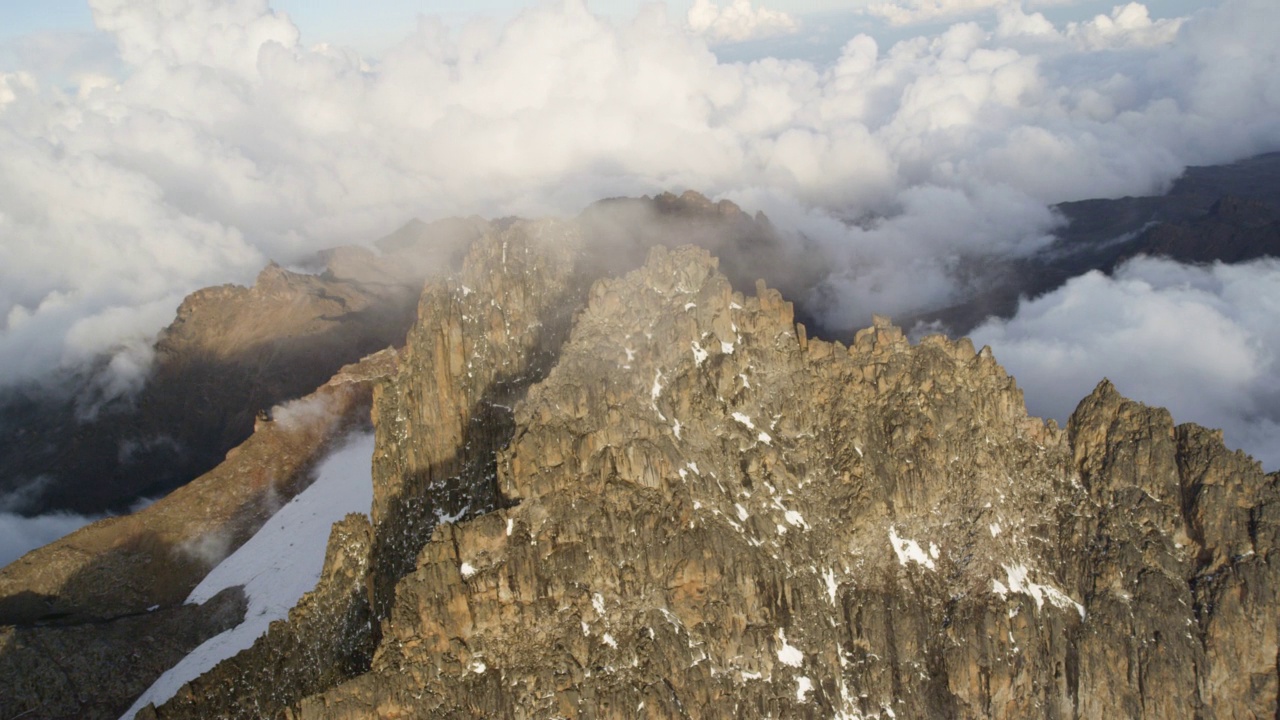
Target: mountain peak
x=653, y=491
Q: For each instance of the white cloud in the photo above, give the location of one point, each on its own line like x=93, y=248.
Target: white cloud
x=909, y=12
x=227, y=35
x=738, y=20
x=1127, y=26
x=1202, y=342
x=20, y=535
x=224, y=142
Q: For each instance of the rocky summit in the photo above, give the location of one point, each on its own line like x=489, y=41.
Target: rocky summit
x=605, y=494
x=653, y=495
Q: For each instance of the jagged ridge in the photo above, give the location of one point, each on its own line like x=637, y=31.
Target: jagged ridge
x=715, y=514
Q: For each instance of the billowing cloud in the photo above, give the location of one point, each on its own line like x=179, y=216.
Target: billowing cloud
x=909, y=12
x=1201, y=341
x=738, y=20
x=224, y=141
x=1127, y=26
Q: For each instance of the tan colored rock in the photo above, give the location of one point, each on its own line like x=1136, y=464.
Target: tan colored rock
x=688, y=508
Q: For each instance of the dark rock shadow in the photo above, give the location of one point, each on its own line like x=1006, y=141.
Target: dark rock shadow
x=59, y=662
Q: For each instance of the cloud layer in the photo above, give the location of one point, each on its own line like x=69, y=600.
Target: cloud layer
x=20, y=535
x=225, y=141
x=737, y=21
x=1202, y=342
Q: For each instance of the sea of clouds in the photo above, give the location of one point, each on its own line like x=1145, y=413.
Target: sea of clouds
x=216, y=138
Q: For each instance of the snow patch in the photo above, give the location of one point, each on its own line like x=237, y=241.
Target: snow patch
x=765, y=438
x=830, y=577
x=444, y=518
x=726, y=348
x=655, y=392
x=994, y=528
x=597, y=602
x=608, y=640
x=278, y=565
x=742, y=512
x=796, y=519
x=511, y=523
x=467, y=570
x=804, y=686
x=788, y=654
x=699, y=355
x=909, y=550
x=998, y=588
x=745, y=420
x=1018, y=583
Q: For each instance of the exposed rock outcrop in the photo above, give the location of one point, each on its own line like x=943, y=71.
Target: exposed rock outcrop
x=95, y=670
x=686, y=507
x=481, y=340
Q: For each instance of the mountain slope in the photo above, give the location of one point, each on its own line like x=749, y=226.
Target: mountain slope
x=680, y=505
x=89, y=621
x=230, y=352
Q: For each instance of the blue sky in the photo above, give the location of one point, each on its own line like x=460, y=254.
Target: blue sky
x=327, y=18
x=371, y=24
x=57, y=40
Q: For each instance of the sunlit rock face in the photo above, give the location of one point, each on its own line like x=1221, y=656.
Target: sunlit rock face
x=654, y=495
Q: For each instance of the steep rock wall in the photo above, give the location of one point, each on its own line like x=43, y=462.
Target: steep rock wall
x=719, y=516
x=691, y=509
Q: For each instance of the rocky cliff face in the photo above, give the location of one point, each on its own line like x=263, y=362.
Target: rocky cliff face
x=658, y=497
x=481, y=340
